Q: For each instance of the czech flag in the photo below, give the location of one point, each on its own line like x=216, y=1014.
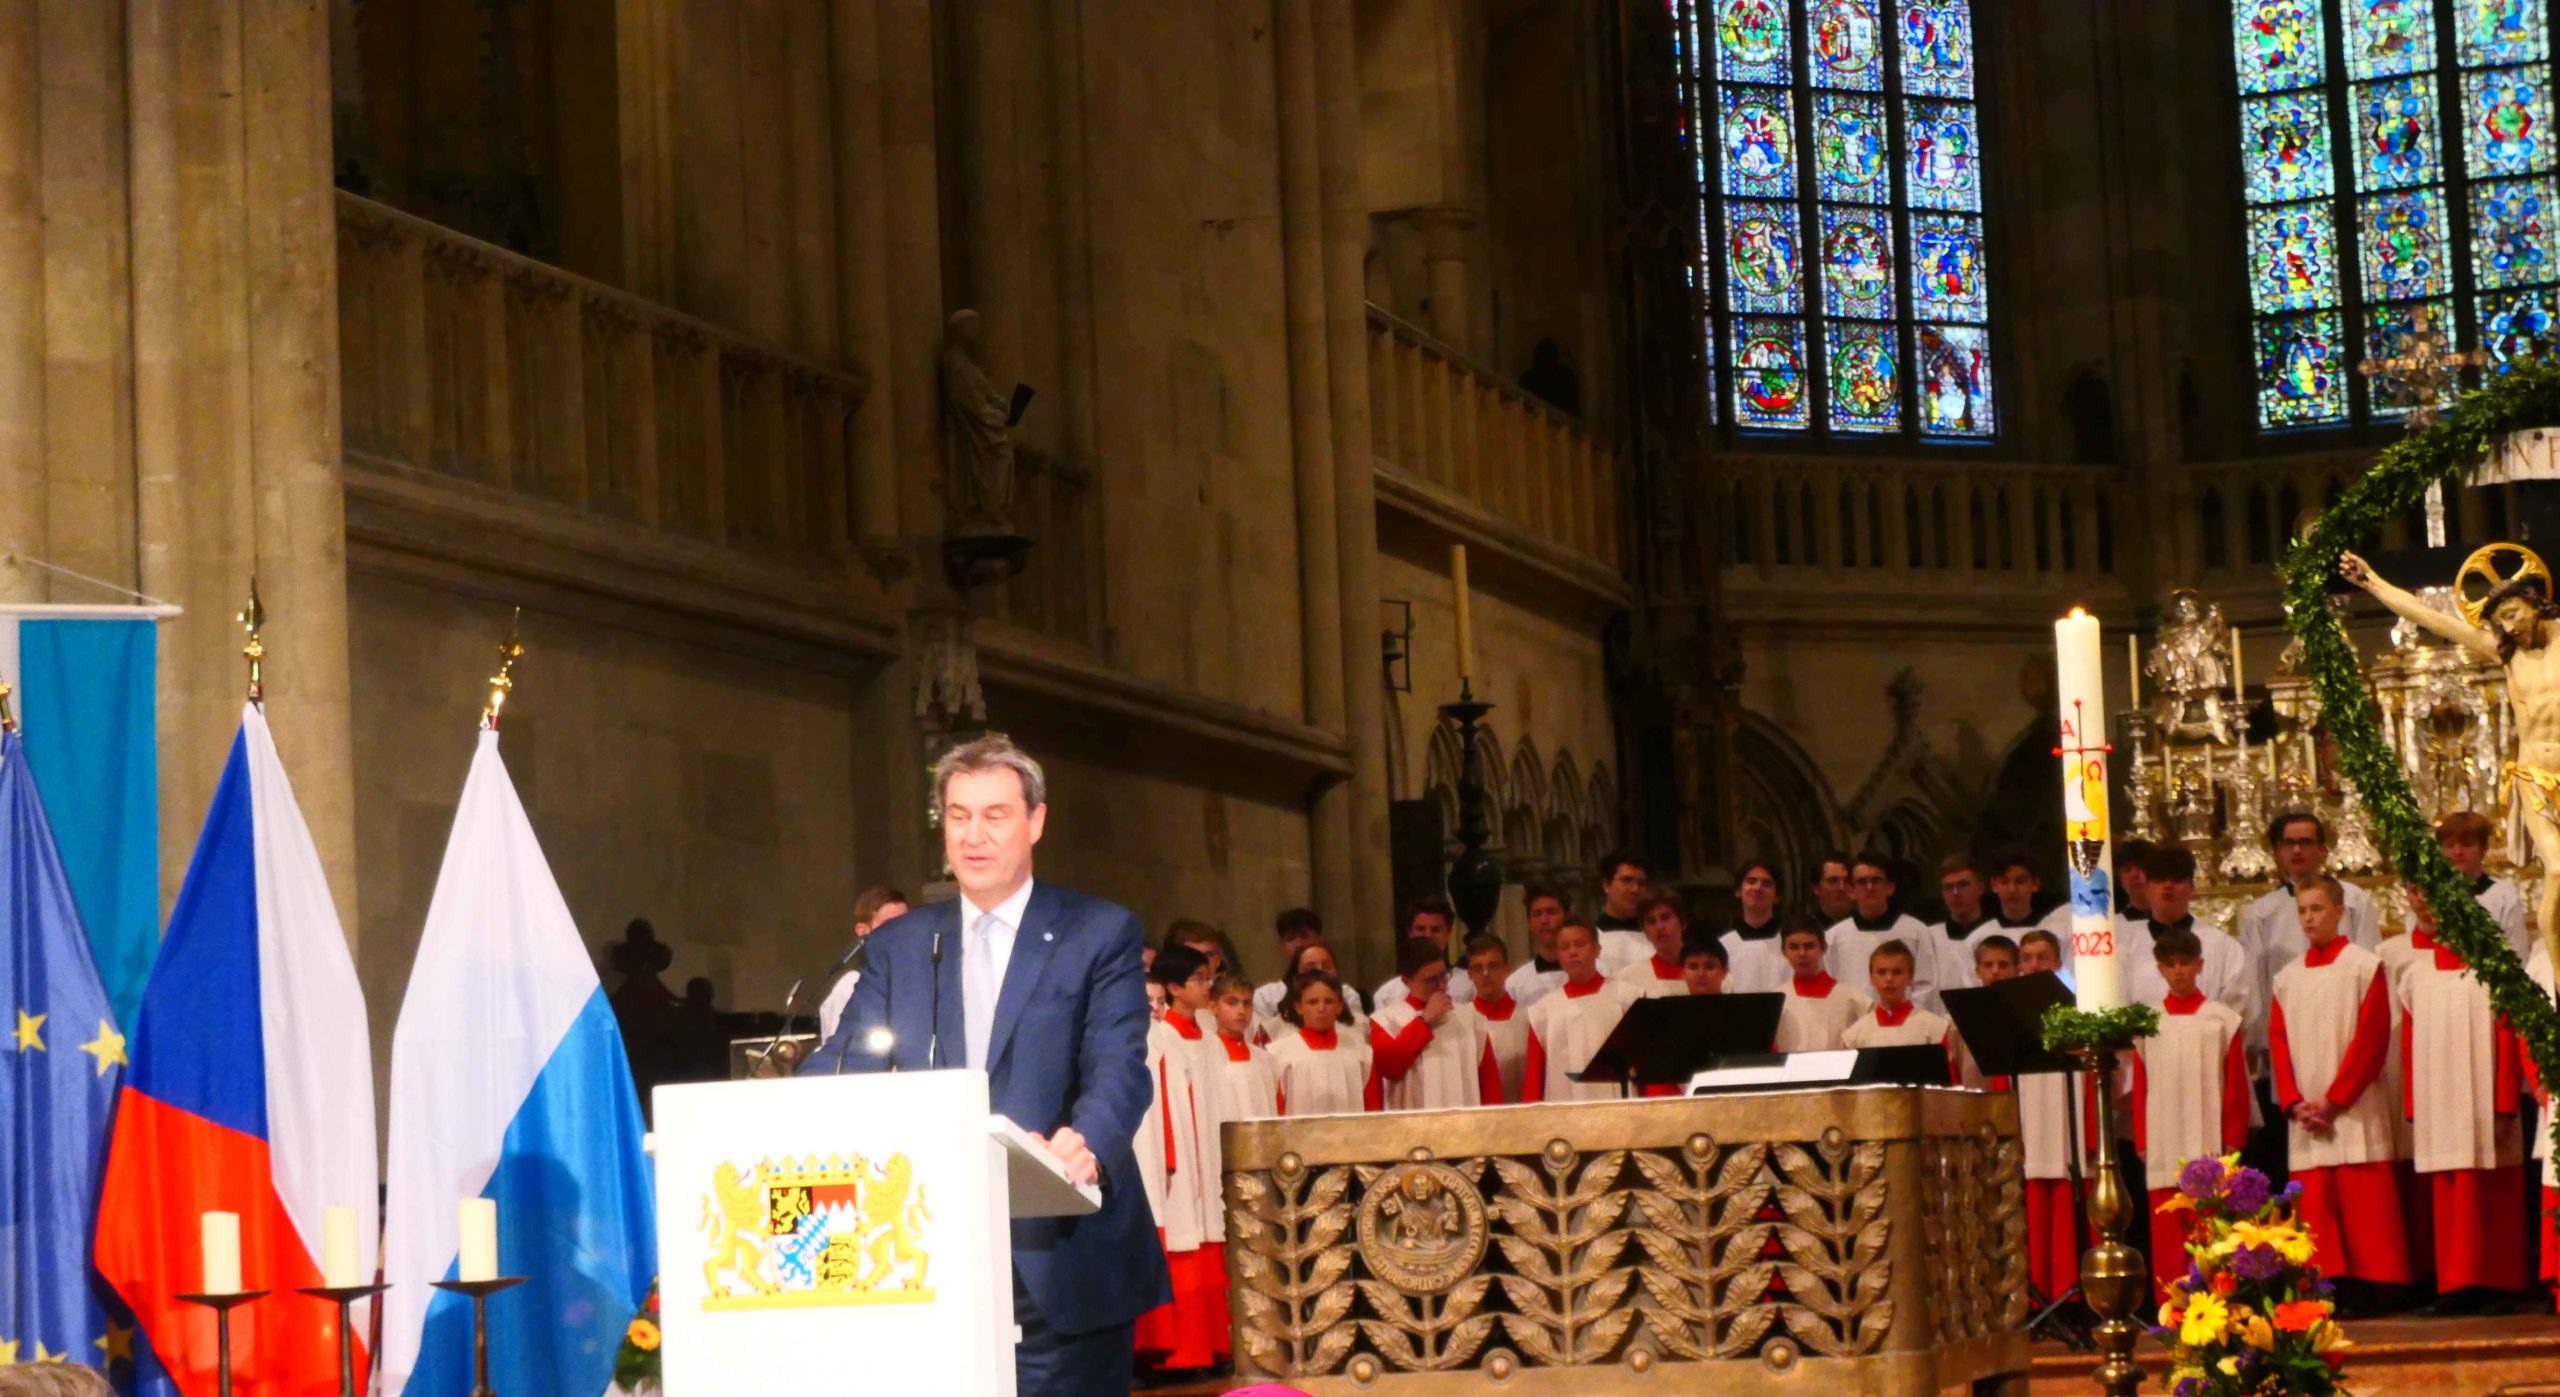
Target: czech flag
x=251, y=1092
x=508, y=1082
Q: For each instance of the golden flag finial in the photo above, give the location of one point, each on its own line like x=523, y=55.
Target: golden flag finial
x=8, y=718
x=252, y=618
x=503, y=683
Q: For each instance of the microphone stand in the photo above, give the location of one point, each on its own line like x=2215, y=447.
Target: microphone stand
x=933, y=1040
x=789, y=998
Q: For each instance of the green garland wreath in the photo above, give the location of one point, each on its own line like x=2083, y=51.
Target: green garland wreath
x=2528, y=396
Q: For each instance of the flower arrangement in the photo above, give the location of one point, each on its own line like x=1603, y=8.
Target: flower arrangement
x=2253, y=1314
x=635, y=1368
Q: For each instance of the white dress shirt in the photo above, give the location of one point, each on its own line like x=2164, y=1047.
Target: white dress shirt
x=1006, y=921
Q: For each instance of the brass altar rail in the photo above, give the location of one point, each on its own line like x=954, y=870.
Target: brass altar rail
x=1438, y=416
x=1866, y=1240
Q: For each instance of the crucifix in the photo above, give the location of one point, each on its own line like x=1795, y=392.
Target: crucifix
x=2419, y=374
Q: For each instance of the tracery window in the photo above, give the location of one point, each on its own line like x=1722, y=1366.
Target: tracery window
x=2397, y=158
x=1842, y=269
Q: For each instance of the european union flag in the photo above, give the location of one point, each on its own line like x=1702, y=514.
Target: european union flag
x=61, y=1064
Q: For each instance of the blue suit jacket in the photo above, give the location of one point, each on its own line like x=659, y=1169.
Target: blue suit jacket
x=1069, y=1047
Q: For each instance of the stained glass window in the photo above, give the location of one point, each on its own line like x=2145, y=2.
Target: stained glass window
x=2396, y=157
x=1839, y=152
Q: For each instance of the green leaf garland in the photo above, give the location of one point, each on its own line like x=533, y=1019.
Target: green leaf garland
x=2068, y=1029
x=2525, y=397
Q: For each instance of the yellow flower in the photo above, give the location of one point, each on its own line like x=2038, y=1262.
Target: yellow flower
x=2206, y=1318
x=2230, y=1366
x=2256, y=1332
x=2177, y=1202
x=2327, y=1337
x=2288, y=1240
x=644, y=1336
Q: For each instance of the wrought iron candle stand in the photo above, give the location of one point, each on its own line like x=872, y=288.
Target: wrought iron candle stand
x=345, y=1298
x=222, y=1306
x=480, y=1291
x=2113, y=1278
x=1475, y=879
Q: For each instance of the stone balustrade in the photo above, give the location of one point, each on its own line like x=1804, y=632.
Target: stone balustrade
x=1439, y=418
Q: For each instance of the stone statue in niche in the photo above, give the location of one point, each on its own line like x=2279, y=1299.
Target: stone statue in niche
x=977, y=424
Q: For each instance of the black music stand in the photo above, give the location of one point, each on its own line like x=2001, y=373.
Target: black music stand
x=1671, y=1039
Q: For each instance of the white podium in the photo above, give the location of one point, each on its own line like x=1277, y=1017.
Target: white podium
x=843, y=1235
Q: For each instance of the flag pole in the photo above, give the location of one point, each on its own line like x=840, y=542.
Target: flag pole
x=253, y=617
x=8, y=719
x=503, y=683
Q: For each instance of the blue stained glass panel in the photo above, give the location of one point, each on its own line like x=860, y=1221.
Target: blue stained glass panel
x=1769, y=384
x=2506, y=118
x=2386, y=38
x=1764, y=263
x=1943, y=169
x=1937, y=48
x=2500, y=31
x=2515, y=326
x=2511, y=232
x=2279, y=44
x=2396, y=133
x=1949, y=280
x=1954, y=375
x=1849, y=160
x=1866, y=382
x=1759, y=142
x=1845, y=40
x=2402, y=239
x=1857, y=262
x=2293, y=258
x=2284, y=145
x=2302, y=375
x=2385, y=329
x=1751, y=41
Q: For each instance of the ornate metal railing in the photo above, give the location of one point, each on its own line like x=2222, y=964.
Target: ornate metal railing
x=1869, y=1240
x=1438, y=417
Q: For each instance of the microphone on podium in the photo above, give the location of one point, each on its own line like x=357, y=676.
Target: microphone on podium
x=933, y=1045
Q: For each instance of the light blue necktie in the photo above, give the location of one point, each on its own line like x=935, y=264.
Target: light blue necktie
x=978, y=987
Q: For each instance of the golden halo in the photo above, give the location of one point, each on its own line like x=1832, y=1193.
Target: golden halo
x=2482, y=564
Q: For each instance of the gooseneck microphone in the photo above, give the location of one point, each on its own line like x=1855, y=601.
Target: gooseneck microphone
x=789, y=997
x=933, y=1041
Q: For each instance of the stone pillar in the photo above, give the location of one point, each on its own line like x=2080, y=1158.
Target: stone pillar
x=1346, y=243
x=235, y=331
x=22, y=466
x=1322, y=614
x=911, y=195
x=1444, y=256
x=862, y=240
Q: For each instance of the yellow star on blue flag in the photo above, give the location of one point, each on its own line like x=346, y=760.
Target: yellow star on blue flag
x=107, y=1047
x=31, y=1031
x=116, y=1346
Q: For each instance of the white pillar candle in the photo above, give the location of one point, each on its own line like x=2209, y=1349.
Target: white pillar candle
x=2096, y=972
x=221, y=1253
x=479, y=1253
x=341, y=1263
x=1466, y=612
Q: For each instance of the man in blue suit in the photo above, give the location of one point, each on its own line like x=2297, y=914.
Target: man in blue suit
x=1045, y=990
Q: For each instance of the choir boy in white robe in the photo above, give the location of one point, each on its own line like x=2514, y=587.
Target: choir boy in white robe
x=1666, y=929
x=1312, y=957
x=1873, y=922
x=1819, y=1008
x=1703, y=967
x=2190, y=1088
x=1829, y=885
x=1541, y=974
x=1962, y=890
x=1245, y=1085
x=2047, y=1135
x=2133, y=881
x=2464, y=835
x=1428, y=1054
x=2170, y=891
x=1324, y=1070
x=1295, y=928
x=1430, y=918
x=2329, y=1030
x=1181, y=1182
x=1567, y=1027
x=2015, y=888
x=1897, y=1021
x=1502, y=1020
x=1751, y=951
x=2269, y=926
x=1995, y=958
x=1624, y=881
x=2465, y=1079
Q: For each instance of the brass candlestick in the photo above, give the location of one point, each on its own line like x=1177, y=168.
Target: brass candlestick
x=480, y=1291
x=222, y=1306
x=2113, y=1278
x=345, y=1297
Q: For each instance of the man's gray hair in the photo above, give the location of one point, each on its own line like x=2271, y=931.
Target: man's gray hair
x=995, y=751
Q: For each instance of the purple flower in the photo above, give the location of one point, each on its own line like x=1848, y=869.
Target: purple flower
x=2257, y=1264
x=2292, y=1191
x=2188, y=1387
x=2247, y=1192
x=2201, y=1178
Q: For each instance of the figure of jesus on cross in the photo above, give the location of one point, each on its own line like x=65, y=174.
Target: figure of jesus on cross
x=2513, y=625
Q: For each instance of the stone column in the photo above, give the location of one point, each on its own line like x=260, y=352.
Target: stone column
x=910, y=185
x=22, y=466
x=862, y=256
x=235, y=328
x=1444, y=256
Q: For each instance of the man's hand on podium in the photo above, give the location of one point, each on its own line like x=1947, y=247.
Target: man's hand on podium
x=1068, y=1148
